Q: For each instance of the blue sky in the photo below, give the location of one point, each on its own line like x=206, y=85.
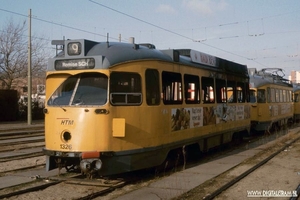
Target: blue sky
x=257, y=33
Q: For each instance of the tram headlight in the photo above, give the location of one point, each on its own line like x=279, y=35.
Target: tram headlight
x=45, y=111
x=66, y=136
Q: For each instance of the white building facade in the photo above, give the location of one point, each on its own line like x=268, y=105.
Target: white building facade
x=295, y=76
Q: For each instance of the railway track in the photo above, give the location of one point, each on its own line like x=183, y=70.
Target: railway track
x=21, y=150
x=77, y=187
x=16, y=145
x=9, y=139
x=21, y=134
x=246, y=173
x=21, y=156
x=255, y=172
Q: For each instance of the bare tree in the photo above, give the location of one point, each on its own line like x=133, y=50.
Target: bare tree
x=14, y=55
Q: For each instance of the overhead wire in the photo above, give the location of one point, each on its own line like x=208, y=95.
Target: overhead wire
x=154, y=25
x=58, y=24
x=73, y=28
x=138, y=19
x=167, y=30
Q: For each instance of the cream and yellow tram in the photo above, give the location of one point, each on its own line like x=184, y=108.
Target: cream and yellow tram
x=117, y=107
x=271, y=99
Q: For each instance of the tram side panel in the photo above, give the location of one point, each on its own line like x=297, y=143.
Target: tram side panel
x=155, y=127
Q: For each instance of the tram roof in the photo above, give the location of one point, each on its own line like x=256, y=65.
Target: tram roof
x=114, y=53
x=296, y=87
x=260, y=78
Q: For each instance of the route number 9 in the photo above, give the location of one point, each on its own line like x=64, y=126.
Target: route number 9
x=74, y=48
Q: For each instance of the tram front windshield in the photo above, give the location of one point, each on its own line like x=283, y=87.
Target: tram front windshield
x=82, y=89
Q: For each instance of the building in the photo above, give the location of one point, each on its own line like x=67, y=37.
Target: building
x=295, y=76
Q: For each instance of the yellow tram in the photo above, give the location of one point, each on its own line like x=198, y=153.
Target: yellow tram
x=116, y=107
x=271, y=99
x=296, y=92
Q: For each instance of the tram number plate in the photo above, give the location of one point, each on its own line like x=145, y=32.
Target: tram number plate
x=66, y=146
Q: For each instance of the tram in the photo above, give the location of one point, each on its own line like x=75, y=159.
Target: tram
x=271, y=99
x=115, y=107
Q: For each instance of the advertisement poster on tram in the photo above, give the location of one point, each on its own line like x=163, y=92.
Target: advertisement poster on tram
x=185, y=118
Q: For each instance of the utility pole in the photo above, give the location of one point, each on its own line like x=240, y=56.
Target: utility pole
x=29, y=116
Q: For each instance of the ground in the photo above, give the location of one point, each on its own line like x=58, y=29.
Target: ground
x=280, y=174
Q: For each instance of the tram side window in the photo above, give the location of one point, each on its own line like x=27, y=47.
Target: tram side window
x=241, y=92
x=280, y=96
x=247, y=91
x=296, y=97
x=221, y=91
x=261, y=96
x=208, y=95
x=284, y=96
x=231, y=91
x=273, y=95
x=191, y=89
x=125, y=88
x=152, y=87
x=252, y=96
x=172, y=88
x=277, y=98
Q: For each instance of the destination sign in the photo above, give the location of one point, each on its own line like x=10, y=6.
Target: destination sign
x=84, y=63
x=202, y=58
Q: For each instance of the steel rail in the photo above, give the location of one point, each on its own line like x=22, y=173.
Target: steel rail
x=246, y=173
x=23, y=156
x=21, y=148
x=24, y=132
x=23, y=142
x=21, y=169
x=298, y=192
x=12, y=136
x=31, y=189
